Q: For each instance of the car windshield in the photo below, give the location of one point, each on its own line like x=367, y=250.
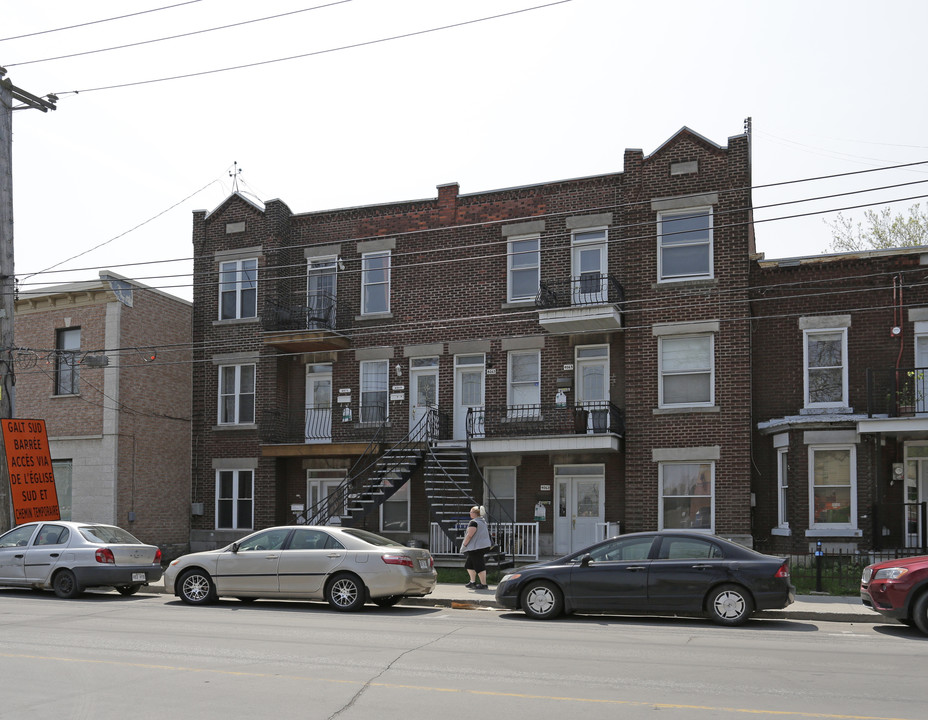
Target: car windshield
x=108, y=534
x=371, y=538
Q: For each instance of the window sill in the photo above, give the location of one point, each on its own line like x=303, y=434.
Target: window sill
x=65, y=395
x=674, y=410
x=236, y=321
x=374, y=316
x=243, y=426
x=518, y=304
x=697, y=281
x=834, y=532
x=829, y=410
x=781, y=531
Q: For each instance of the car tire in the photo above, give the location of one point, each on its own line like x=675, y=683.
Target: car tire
x=729, y=605
x=196, y=587
x=542, y=600
x=345, y=592
x=65, y=585
x=128, y=589
x=388, y=601
x=920, y=612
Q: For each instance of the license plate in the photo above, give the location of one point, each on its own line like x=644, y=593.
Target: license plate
x=423, y=564
x=138, y=577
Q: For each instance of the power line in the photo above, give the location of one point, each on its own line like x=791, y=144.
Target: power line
x=97, y=22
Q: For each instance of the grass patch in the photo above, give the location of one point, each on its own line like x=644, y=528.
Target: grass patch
x=459, y=576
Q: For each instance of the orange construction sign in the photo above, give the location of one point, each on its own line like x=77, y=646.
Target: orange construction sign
x=32, y=480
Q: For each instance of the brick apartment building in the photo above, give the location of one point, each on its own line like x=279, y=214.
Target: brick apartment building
x=840, y=356
x=576, y=355
x=118, y=421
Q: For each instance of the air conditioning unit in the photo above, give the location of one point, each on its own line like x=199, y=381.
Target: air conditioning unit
x=196, y=508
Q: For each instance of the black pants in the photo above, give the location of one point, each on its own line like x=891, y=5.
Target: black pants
x=474, y=560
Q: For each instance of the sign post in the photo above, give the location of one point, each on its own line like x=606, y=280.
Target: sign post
x=32, y=479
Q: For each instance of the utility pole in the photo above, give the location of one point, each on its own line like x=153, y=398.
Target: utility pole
x=8, y=93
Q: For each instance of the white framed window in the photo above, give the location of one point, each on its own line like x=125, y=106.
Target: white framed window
x=235, y=499
x=67, y=354
x=825, y=362
x=236, y=394
x=589, y=271
x=687, y=495
x=684, y=244
x=833, y=486
x=375, y=282
x=394, y=512
x=687, y=370
x=375, y=376
x=782, y=488
x=499, y=495
x=524, y=272
x=524, y=380
x=238, y=289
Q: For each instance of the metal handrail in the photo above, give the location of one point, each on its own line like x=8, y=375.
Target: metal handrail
x=583, y=290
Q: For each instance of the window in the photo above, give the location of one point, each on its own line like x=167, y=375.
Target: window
x=67, y=342
x=687, y=370
x=621, y=550
x=236, y=394
x=394, y=513
x=238, y=289
x=525, y=381
x=374, y=380
x=321, y=293
x=783, y=488
x=685, y=244
x=826, y=372
x=375, y=282
x=234, y=499
x=686, y=496
x=63, y=472
x=524, y=269
x=500, y=493
x=833, y=484
x=589, y=267
x=678, y=548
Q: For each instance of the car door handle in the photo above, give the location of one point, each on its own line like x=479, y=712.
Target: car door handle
x=19, y=556
x=703, y=566
x=270, y=557
x=334, y=555
x=636, y=568
x=53, y=554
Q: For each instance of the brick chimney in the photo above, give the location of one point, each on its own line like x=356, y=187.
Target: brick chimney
x=448, y=203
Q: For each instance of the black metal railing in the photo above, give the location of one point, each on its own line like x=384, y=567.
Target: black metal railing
x=837, y=573
x=585, y=289
x=316, y=313
x=322, y=424
x=897, y=392
x=593, y=418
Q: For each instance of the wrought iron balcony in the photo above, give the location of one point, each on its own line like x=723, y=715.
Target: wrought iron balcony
x=321, y=424
x=897, y=392
x=318, y=314
x=592, y=418
x=588, y=303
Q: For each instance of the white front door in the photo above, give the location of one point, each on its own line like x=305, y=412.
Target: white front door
x=423, y=391
x=318, y=420
x=323, y=499
x=589, y=268
x=919, y=378
x=916, y=491
x=592, y=368
x=468, y=395
x=579, y=507
x=321, y=293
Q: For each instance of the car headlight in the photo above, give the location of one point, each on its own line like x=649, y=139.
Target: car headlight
x=510, y=576
x=893, y=573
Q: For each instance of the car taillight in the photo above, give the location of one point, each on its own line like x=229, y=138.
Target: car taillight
x=157, y=560
x=105, y=555
x=397, y=560
x=783, y=572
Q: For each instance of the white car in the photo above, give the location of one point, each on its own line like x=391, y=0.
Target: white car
x=69, y=557
x=345, y=566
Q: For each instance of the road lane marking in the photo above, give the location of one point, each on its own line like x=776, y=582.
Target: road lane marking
x=485, y=693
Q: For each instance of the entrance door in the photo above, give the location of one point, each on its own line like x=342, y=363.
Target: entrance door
x=423, y=391
x=916, y=491
x=323, y=497
x=320, y=293
x=468, y=395
x=318, y=423
x=589, y=268
x=580, y=505
x=592, y=364
x=919, y=378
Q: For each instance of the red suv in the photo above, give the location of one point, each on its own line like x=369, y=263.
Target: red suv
x=898, y=589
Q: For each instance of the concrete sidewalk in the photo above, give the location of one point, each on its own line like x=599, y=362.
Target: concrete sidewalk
x=806, y=607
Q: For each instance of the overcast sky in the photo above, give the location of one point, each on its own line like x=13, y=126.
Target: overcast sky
x=550, y=93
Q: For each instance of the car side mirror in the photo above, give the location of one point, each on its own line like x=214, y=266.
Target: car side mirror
x=586, y=560
x=234, y=547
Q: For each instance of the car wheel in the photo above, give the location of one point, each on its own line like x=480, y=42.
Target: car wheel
x=128, y=589
x=65, y=585
x=196, y=587
x=345, y=592
x=388, y=601
x=729, y=605
x=920, y=612
x=542, y=600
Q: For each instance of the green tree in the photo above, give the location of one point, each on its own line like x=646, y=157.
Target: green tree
x=880, y=230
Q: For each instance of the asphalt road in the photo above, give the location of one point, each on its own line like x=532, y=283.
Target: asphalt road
x=107, y=657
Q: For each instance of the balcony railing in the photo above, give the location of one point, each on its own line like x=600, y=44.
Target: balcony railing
x=897, y=392
x=319, y=424
x=585, y=290
x=591, y=418
x=318, y=314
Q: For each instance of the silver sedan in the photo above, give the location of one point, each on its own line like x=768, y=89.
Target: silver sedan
x=69, y=557
x=347, y=567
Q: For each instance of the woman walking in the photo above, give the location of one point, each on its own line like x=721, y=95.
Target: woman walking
x=476, y=543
